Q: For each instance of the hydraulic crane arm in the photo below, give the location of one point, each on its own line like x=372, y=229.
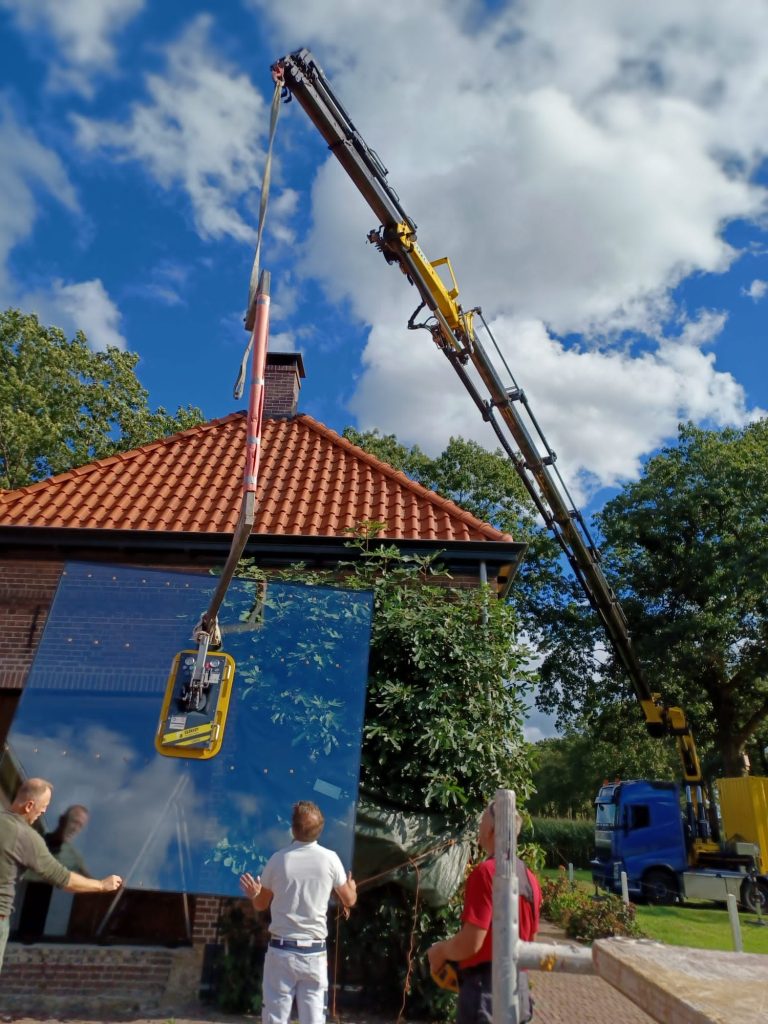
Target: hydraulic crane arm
x=504, y=406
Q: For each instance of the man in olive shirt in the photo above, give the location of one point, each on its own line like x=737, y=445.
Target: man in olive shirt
x=22, y=847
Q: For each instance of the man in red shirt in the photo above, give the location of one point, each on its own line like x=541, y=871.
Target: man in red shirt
x=472, y=946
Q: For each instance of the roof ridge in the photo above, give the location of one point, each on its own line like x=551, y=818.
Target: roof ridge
x=126, y=456
x=397, y=474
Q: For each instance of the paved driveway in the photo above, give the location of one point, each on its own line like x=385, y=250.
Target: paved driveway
x=576, y=998
x=560, y=999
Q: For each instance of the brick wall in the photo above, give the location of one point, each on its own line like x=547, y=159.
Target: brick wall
x=26, y=592
x=53, y=979
x=206, y=919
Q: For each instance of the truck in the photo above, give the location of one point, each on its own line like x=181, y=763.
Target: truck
x=640, y=831
x=667, y=840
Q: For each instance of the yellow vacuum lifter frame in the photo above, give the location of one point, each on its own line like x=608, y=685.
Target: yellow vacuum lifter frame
x=179, y=742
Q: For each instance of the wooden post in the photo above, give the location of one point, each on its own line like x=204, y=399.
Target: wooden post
x=624, y=887
x=506, y=1002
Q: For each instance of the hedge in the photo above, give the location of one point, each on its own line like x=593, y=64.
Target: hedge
x=564, y=840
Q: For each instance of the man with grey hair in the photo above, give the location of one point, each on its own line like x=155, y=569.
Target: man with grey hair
x=472, y=946
x=22, y=847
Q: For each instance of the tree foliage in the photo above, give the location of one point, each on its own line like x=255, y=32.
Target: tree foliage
x=63, y=405
x=686, y=548
x=568, y=770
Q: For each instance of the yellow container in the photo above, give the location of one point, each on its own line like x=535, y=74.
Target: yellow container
x=744, y=807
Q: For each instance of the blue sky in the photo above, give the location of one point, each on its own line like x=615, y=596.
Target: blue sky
x=596, y=171
x=604, y=202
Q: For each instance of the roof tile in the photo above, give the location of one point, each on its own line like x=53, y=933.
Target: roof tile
x=313, y=482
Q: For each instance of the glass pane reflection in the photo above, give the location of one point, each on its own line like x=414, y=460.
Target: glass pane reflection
x=89, y=712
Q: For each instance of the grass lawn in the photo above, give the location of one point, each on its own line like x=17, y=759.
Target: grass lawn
x=701, y=926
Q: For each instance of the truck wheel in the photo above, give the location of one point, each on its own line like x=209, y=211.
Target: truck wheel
x=754, y=895
x=659, y=888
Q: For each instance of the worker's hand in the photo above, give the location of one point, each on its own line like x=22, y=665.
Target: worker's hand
x=436, y=956
x=251, y=886
x=351, y=882
x=110, y=883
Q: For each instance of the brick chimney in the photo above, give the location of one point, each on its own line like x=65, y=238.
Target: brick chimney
x=283, y=375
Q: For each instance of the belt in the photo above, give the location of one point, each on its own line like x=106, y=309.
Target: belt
x=299, y=945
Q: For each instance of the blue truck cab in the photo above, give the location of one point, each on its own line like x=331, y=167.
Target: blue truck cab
x=639, y=829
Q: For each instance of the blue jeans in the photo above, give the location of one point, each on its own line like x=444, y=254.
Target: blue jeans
x=5, y=925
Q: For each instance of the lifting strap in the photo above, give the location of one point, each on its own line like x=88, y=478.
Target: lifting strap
x=257, y=323
x=250, y=312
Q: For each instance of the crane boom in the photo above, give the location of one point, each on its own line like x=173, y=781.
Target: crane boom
x=504, y=406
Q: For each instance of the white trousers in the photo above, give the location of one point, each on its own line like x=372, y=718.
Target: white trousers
x=300, y=976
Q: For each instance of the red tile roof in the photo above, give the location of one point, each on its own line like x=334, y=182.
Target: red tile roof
x=312, y=482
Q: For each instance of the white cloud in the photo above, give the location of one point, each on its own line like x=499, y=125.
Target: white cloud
x=78, y=306
x=577, y=162
x=756, y=290
x=284, y=341
x=82, y=31
x=128, y=797
x=166, y=284
x=89, y=308
x=601, y=411
x=201, y=129
x=27, y=168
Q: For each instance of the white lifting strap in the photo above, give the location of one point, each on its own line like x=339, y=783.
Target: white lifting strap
x=250, y=313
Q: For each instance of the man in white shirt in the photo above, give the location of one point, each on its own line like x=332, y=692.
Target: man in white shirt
x=296, y=885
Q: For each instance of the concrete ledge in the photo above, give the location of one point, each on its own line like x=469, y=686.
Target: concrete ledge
x=678, y=985
x=55, y=979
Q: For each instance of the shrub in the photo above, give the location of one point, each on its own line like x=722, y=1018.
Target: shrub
x=559, y=899
x=601, y=917
x=240, y=965
x=587, y=917
x=440, y=737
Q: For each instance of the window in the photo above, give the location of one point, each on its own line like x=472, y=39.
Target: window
x=639, y=816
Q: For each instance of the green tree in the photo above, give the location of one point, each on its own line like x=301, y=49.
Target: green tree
x=63, y=405
x=686, y=548
x=568, y=770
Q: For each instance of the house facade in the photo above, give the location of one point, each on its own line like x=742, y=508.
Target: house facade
x=173, y=505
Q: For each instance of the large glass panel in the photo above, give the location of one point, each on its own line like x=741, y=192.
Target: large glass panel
x=90, y=709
